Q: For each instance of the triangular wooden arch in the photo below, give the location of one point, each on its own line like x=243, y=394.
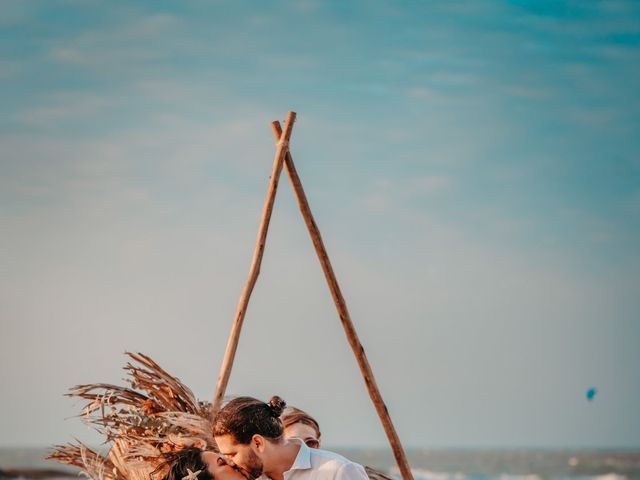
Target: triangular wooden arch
x=283, y=157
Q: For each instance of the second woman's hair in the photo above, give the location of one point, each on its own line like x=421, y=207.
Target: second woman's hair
x=292, y=415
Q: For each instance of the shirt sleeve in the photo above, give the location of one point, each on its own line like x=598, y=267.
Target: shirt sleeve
x=351, y=471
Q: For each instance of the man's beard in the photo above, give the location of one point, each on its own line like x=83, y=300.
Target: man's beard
x=254, y=467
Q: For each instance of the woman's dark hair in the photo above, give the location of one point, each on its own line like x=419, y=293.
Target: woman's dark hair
x=244, y=417
x=293, y=415
x=178, y=463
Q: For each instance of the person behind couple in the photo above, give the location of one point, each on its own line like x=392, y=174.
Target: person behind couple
x=250, y=434
x=299, y=424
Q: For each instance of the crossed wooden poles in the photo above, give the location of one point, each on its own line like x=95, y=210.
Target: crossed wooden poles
x=283, y=157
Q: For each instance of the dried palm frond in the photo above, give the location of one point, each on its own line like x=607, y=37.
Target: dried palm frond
x=168, y=392
x=198, y=426
x=108, y=405
x=134, y=468
x=106, y=394
x=132, y=412
x=143, y=422
x=171, y=428
x=91, y=463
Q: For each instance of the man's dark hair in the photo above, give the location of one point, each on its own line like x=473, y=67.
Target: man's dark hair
x=244, y=417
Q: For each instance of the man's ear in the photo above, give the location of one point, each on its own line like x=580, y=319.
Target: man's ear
x=258, y=442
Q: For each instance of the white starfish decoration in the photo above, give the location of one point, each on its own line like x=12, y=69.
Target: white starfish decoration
x=191, y=475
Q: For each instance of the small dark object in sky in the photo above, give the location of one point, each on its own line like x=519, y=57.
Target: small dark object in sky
x=591, y=393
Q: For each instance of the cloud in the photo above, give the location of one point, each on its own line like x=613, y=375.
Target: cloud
x=169, y=157
x=9, y=69
x=430, y=184
x=430, y=94
x=140, y=39
x=16, y=12
x=532, y=92
x=400, y=194
x=63, y=107
x=619, y=53
x=100, y=56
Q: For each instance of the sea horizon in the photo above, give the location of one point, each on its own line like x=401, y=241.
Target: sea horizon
x=447, y=463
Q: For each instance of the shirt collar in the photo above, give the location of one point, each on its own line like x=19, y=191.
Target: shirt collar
x=303, y=459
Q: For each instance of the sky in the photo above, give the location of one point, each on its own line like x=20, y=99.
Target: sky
x=473, y=167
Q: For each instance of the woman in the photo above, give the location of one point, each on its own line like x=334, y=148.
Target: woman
x=192, y=463
x=299, y=424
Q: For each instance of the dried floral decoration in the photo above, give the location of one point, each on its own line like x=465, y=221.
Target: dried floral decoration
x=142, y=423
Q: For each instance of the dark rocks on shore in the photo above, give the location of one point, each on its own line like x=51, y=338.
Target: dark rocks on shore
x=36, y=473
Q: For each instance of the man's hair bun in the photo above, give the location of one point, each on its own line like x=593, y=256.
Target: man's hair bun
x=277, y=405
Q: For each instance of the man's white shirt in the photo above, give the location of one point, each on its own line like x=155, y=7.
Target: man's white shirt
x=316, y=464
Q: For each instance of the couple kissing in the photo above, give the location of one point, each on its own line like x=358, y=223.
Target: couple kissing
x=252, y=443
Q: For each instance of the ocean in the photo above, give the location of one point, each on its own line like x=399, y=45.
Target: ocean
x=453, y=464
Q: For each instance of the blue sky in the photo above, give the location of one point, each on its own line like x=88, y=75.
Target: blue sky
x=473, y=165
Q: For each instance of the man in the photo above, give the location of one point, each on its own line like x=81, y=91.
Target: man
x=250, y=434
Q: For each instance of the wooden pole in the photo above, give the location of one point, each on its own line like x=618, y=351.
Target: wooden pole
x=341, y=306
x=254, y=270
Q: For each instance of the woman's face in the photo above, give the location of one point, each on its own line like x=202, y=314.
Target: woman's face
x=219, y=468
x=304, y=432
